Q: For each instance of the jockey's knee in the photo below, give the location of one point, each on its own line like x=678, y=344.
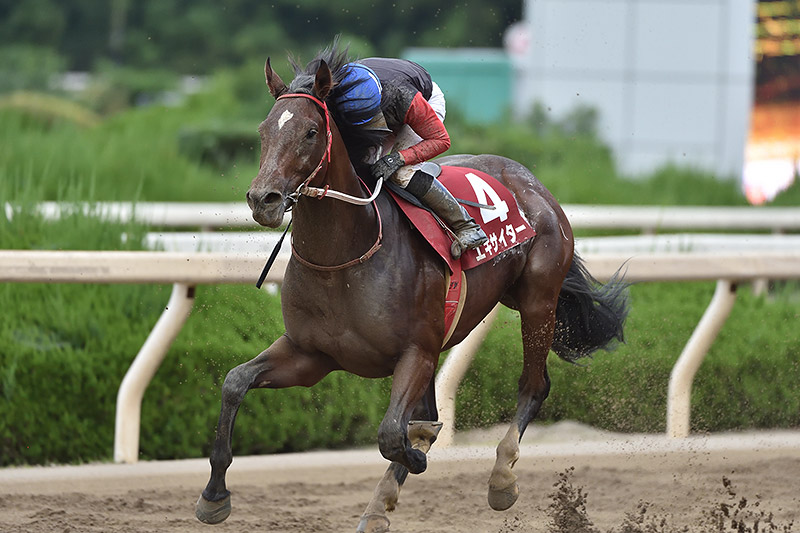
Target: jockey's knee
x=403, y=176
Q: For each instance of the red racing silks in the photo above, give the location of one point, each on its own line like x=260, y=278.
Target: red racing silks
x=425, y=123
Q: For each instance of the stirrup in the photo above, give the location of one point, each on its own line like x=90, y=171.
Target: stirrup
x=469, y=237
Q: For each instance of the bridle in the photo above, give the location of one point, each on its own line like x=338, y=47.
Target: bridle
x=304, y=189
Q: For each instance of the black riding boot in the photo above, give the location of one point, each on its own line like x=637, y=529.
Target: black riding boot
x=432, y=193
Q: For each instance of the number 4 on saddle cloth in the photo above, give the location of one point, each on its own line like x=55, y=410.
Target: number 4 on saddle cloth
x=502, y=221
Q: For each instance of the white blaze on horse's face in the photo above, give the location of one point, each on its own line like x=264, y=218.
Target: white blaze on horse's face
x=285, y=117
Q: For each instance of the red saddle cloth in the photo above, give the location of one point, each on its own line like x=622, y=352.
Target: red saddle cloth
x=504, y=225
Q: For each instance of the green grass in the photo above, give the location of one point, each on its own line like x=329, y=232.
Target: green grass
x=133, y=155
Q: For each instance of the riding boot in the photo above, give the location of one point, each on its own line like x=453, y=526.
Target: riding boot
x=432, y=193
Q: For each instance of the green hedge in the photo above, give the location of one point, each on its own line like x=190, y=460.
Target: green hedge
x=230, y=326
x=43, y=110
x=65, y=348
x=60, y=371
x=748, y=379
x=220, y=144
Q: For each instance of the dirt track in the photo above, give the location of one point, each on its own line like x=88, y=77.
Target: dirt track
x=326, y=491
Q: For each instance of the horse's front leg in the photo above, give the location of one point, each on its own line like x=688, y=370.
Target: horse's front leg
x=422, y=432
x=279, y=366
x=412, y=376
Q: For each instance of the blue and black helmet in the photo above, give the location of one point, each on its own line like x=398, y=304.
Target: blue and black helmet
x=357, y=97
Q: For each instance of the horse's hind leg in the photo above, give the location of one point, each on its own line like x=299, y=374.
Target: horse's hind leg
x=422, y=433
x=281, y=365
x=537, y=304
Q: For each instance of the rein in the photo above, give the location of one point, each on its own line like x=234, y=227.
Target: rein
x=358, y=260
x=305, y=189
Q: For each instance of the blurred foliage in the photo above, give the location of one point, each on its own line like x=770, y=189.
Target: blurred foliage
x=114, y=88
x=45, y=109
x=28, y=67
x=201, y=36
x=42, y=22
x=219, y=144
x=133, y=155
x=579, y=168
x=581, y=121
x=161, y=152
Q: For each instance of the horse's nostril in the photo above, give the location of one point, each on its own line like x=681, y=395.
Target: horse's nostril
x=273, y=198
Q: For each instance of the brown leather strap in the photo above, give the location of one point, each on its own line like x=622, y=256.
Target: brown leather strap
x=356, y=261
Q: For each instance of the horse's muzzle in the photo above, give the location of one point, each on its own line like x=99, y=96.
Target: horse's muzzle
x=268, y=207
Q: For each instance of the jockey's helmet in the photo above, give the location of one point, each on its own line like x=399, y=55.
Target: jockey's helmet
x=357, y=97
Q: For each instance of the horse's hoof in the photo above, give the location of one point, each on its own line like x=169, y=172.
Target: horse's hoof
x=417, y=461
x=373, y=523
x=502, y=499
x=213, y=512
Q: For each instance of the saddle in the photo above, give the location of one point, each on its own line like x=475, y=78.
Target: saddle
x=490, y=203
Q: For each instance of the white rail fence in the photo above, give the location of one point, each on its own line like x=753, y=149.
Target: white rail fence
x=648, y=219
x=186, y=270
x=236, y=257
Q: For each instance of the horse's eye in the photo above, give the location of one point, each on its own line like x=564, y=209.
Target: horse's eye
x=311, y=133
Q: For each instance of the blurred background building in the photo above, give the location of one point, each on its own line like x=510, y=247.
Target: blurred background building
x=672, y=81
x=709, y=84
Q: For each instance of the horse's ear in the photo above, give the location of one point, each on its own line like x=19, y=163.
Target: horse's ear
x=274, y=82
x=323, y=82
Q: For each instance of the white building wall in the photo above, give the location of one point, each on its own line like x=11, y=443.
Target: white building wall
x=672, y=79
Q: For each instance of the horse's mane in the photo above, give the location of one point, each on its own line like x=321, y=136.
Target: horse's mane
x=358, y=139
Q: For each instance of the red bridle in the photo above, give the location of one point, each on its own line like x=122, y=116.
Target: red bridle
x=304, y=188
x=326, y=157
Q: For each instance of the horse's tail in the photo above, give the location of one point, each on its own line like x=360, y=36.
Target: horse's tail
x=589, y=315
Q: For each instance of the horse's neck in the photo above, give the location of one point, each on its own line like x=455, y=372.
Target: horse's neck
x=328, y=231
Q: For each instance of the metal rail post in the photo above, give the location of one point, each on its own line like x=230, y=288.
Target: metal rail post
x=452, y=372
x=142, y=370
x=680, y=381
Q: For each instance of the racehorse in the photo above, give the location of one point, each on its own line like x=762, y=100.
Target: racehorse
x=364, y=293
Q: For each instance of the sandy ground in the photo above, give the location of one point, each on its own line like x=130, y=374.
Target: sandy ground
x=327, y=491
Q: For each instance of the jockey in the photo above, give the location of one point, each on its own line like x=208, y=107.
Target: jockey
x=399, y=97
